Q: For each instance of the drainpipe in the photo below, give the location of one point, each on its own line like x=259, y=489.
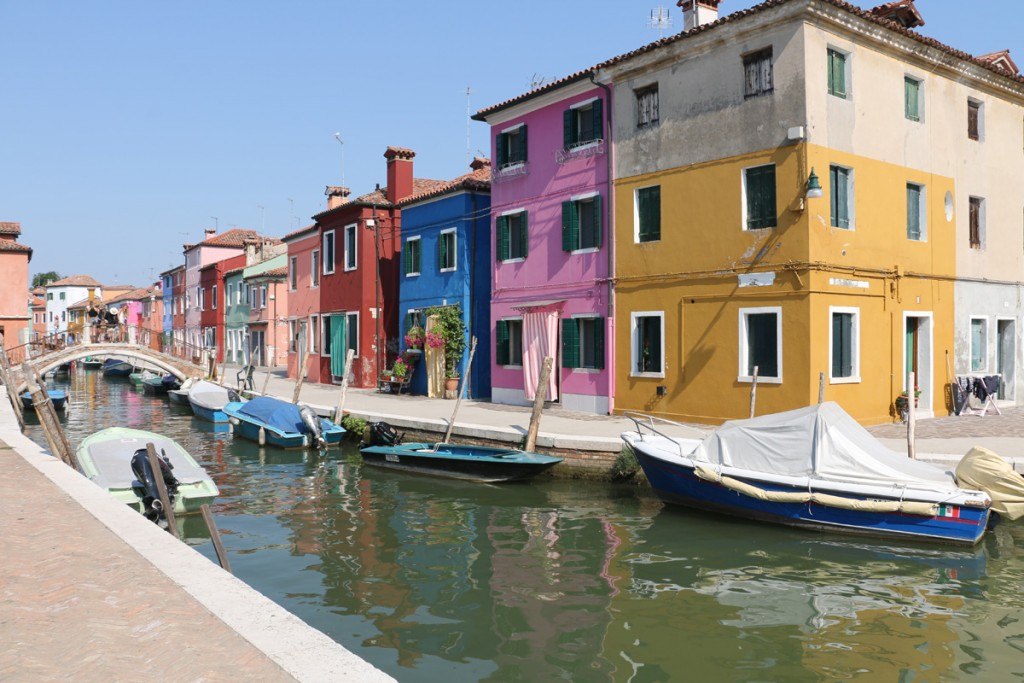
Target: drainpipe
x=472, y=252
x=610, y=204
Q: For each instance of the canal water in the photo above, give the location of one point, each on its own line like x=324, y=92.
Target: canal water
x=435, y=580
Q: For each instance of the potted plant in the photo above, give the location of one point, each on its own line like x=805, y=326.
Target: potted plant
x=399, y=369
x=415, y=338
x=902, y=402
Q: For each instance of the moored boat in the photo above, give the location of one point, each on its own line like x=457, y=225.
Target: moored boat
x=106, y=458
x=268, y=420
x=92, y=363
x=62, y=371
x=159, y=386
x=454, y=461
x=139, y=377
x=815, y=468
x=116, y=367
x=208, y=400
x=58, y=397
x=180, y=395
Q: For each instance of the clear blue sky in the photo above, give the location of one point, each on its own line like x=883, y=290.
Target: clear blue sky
x=126, y=126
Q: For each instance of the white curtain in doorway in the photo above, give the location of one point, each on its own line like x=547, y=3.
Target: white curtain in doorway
x=540, y=337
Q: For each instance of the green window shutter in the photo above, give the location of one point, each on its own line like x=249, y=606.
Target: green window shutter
x=501, y=343
x=913, y=212
x=502, y=230
x=567, y=133
x=417, y=255
x=654, y=212
x=598, y=222
x=499, y=148
x=598, y=112
x=599, y=344
x=338, y=345
x=524, y=234
x=570, y=226
x=837, y=363
x=649, y=210
x=837, y=73
x=522, y=143
x=570, y=343
x=761, y=212
x=912, y=90
x=840, y=190
x=441, y=249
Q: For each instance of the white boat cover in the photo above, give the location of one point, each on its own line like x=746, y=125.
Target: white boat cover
x=821, y=442
x=983, y=470
x=111, y=457
x=209, y=395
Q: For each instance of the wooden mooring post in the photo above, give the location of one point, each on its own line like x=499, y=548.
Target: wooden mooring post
x=462, y=392
x=538, y=404
x=753, y=393
x=339, y=412
x=911, y=417
x=266, y=381
x=821, y=388
x=6, y=376
x=161, y=487
x=300, y=376
x=47, y=415
x=218, y=545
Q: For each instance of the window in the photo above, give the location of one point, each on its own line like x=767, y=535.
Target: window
x=845, y=345
x=63, y=295
x=511, y=146
x=215, y=297
x=979, y=344
x=508, y=340
x=761, y=343
x=229, y=294
x=581, y=223
x=975, y=123
x=837, y=73
x=49, y=296
x=648, y=343
x=413, y=318
x=350, y=247
x=757, y=73
x=325, y=334
x=411, y=256
x=912, y=98
x=647, y=106
x=238, y=293
x=263, y=296
x=329, y=252
x=841, y=184
x=915, y=212
x=582, y=124
x=313, y=329
x=976, y=226
x=583, y=343
x=314, y=268
x=512, y=243
x=352, y=332
x=293, y=336
x=202, y=298
x=446, y=251
x=759, y=187
x=293, y=275
x=648, y=214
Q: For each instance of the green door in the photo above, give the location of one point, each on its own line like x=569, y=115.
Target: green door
x=911, y=350
x=338, y=345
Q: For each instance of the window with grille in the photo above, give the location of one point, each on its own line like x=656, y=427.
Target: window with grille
x=757, y=73
x=511, y=146
x=512, y=242
x=647, y=106
x=759, y=185
x=648, y=214
x=582, y=224
x=583, y=124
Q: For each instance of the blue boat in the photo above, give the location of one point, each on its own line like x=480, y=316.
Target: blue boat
x=57, y=396
x=208, y=400
x=268, y=420
x=815, y=468
x=115, y=367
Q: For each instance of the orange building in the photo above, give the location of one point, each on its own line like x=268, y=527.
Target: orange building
x=15, y=322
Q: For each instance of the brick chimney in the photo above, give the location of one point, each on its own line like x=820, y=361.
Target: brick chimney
x=698, y=12
x=399, y=173
x=336, y=196
x=480, y=162
x=209, y=233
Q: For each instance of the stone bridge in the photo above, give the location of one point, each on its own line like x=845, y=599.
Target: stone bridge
x=48, y=360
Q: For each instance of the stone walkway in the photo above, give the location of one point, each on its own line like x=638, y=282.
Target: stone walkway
x=77, y=603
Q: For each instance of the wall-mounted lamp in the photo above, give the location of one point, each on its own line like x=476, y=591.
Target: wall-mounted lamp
x=813, y=186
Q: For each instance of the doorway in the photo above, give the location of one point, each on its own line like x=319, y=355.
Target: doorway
x=917, y=358
x=256, y=347
x=1006, y=357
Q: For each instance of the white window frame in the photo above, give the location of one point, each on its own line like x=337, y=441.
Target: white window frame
x=293, y=343
x=634, y=352
x=636, y=212
x=516, y=164
x=588, y=316
x=419, y=239
x=354, y=227
x=229, y=294
x=312, y=333
x=202, y=298
x=333, y=251
x=214, y=294
x=263, y=297
x=985, y=354
x=854, y=378
x=314, y=269
x=293, y=273
x=851, y=195
x=578, y=146
x=518, y=319
x=576, y=199
x=455, y=250
x=518, y=259
x=741, y=374
x=325, y=352
x=348, y=328
x=743, y=197
x=922, y=211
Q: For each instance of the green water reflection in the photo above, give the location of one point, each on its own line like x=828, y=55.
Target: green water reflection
x=569, y=580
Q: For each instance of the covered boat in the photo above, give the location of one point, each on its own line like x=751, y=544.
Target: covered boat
x=269, y=420
x=158, y=386
x=106, y=458
x=139, y=377
x=208, y=401
x=92, y=363
x=117, y=367
x=814, y=467
x=454, y=461
x=58, y=397
x=180, y=395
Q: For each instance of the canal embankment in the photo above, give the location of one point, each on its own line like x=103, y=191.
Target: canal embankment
x=91, y=589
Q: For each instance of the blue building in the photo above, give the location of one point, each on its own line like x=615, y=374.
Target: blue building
x=170, y=283
x=445, y=261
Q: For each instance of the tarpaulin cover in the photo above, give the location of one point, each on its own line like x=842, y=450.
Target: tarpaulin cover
x=275, y=413
x=209, y=395
x=983, y=470
x=822, y=442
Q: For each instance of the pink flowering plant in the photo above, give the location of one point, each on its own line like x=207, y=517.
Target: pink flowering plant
x=434, y=341
x=414, y=338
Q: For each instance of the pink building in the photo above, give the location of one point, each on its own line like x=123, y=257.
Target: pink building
x=304, y=326
x=550, y=205
x=15, y=322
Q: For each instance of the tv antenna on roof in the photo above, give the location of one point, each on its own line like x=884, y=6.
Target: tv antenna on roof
x=537, y=81
x=660, y=20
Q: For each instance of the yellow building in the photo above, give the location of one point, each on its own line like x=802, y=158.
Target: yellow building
x=729, y=256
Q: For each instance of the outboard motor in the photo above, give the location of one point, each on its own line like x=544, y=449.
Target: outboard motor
x=152, y=508
x=233, y=396
x=312, y=422
x=383, y=434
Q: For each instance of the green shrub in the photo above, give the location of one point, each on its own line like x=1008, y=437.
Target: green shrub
x=626, y=465
x=354, y=426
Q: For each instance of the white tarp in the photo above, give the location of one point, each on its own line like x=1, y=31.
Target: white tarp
x=209, y=395
x=821, y=442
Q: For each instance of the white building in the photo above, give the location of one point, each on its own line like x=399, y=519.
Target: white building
x=64, y=293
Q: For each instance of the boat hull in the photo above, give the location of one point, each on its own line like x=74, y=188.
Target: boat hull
x=678, y=484
x=468, y=463
x=58, y=398
x=179, y=396
x=118, y=370
x=208, y=414
x=154, y=388
x=251, y=431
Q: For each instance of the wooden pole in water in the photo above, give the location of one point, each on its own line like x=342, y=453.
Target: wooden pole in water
x=12, y=392
x=462, y=391
x=161, y=487
x=911, y=417
x=339, y=411
x=218, y=546
x=821, y=388
x=58, y=443
x=538, y=404
x=266, y=381
x=300, y=375
x=753, y=392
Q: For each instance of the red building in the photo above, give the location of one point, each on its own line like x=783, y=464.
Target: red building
x=360, y=241
x=212, y=301
x=304, y=273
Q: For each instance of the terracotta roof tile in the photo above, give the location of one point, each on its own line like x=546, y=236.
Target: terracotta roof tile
x=1002, y=61
x=477, y=179
x=132, y=295
x=380, y=198
x=236, y=237
x=76, y=281
x=11, y=245
x=10, y=228
x=736, y=16
x=295, y=233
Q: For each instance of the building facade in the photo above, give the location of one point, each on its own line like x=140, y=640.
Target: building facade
x=236, y=318
x=62, y=294
x=213, y=302
x=551, y=292
x=15, y=321
x=267, y=329
x=445, y=261
x=304, y=327
x=213, y=248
